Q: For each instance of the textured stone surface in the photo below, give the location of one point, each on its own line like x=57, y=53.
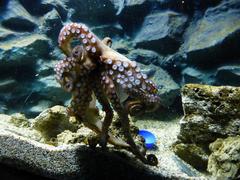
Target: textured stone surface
x=229, y=74
x=22, y=51
x=210, y=112
x=224, y=162
x=161, y=32
x=51, y=146
x=144, y=56
x=214, y=37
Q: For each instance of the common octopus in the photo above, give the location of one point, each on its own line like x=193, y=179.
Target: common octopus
x=93, y=70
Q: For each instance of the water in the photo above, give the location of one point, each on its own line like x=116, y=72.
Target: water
x=173, y=42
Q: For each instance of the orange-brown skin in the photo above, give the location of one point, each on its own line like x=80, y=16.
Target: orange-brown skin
x=116, y=82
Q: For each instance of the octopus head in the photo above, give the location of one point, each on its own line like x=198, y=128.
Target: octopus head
x=80, y=54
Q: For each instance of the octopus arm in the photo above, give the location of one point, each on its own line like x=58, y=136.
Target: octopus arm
x=81, y=32
x=109, y=87
x=127, y=75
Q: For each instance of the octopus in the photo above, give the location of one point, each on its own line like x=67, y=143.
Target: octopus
x=92, y=71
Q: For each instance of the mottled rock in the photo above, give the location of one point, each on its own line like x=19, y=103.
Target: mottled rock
x=24, y=147
x=108, y=30
x=17, y=18
x=144, y=56
x=53, y=121
x=51, y=25
x=19, y=24
x=24, y=50
x=194, y=154
x=6, y=34
x=131, y=13
x=161, y=31
x=224, y=162
x=35, y=8
x=214, y=38
x=168, y=89
x=210, y=112
x=228, y=75
x=194, y=75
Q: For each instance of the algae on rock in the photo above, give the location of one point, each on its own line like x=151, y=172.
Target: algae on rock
x=224, y=162
x=210, y=112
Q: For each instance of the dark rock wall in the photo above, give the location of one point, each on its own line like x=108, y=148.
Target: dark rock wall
x=190, y=41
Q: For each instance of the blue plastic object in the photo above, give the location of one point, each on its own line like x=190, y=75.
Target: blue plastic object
x=149, y=137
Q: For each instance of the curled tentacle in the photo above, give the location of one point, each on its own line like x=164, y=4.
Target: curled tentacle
x=80, y=32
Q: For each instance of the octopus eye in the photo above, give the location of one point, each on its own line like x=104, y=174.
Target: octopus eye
x=68, y=86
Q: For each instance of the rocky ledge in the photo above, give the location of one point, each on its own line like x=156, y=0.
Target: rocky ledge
x=209, y=130
x=53, y=145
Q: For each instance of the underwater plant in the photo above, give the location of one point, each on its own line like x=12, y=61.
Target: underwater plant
x=93, y=70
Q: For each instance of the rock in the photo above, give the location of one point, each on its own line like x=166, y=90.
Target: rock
x=207, y=43
x=59, y=6
x=91, y=12
x=173, y=64
x=129, y=10
x=228, y=75
x=23, y=52
x=168, y=89
x=144, y=56
x=35, y=8
x=108, y=30
x=24, y=147
x=210, y=112
x=38, y=107
x=194, y=75
x=6, y=34
x=19, y=24
x=53, y=121
x=161, y=32
x=17, y=18
x=48, y=88
x=52, y=25
x=224, y=162
x=194, y=154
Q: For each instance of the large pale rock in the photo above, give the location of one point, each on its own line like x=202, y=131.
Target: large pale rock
x=161, y=32
x=210, y=112
x=215, y=37
x=229, y=75
x=18, y=18
x=127, y=12
x=224, y=162
x=24, y=50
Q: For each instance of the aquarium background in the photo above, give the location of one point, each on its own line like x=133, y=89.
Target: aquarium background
x=175, y=42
